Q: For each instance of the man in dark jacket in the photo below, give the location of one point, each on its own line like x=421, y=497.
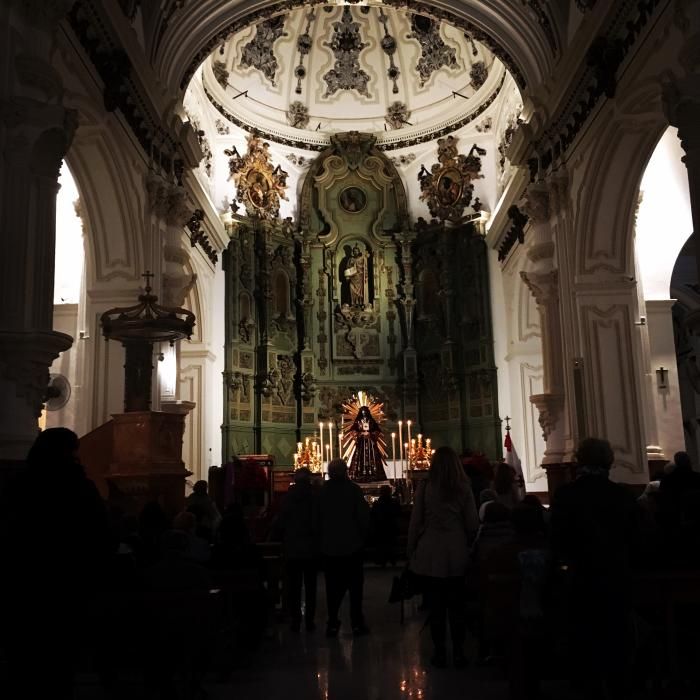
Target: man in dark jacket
x=299, y=524
x=595, y=525
x=344, y=523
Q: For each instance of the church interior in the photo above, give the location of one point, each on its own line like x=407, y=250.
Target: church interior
x=248, y=239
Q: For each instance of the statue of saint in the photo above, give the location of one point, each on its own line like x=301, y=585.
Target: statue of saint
x=366, y=461
x=356, y=275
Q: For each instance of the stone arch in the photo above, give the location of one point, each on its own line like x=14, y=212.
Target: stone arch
x=616, y=154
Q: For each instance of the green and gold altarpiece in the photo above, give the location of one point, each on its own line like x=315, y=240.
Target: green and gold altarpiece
x=353, y=296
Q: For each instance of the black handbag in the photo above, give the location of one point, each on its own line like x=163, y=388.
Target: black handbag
x=405, y=586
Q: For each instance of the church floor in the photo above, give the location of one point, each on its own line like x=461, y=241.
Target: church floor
x=391, y=663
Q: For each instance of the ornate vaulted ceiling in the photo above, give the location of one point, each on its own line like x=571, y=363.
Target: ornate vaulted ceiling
x=322, y=69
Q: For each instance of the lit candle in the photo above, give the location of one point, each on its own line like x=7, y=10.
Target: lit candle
x=401, y=445
x=408, y=423
x=393, y=452
x=420, y=438
x=307, y=442
x=320, y=434
x=340, y=445
x=328, y=453
x=408, y=461
x=330, y=439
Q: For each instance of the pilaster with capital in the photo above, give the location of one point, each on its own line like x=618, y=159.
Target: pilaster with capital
x=169, y=204
x=36, y=131
x=543, y=282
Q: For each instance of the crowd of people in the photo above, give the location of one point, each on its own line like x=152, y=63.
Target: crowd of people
x=487, y=559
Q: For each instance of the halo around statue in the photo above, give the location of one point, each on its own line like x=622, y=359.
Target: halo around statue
x=363, y=444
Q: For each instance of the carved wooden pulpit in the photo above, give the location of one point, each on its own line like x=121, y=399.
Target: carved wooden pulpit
x=146, y=458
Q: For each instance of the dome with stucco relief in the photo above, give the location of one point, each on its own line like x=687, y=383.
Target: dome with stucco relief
x=300, y=76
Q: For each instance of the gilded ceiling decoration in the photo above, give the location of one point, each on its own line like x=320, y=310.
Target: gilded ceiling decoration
x=478, y=73
x=448, y=188
x=285, y=7
x=304, y=45
x=435, y=53
x=346, y=67
x=258, y=52
x=220, y=73
x=397, y=115
x=259, y=185
x=298, y=115
x=389, y=48
x=404, y=159
x=346, y=44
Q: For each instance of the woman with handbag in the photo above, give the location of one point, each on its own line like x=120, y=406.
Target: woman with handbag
x=444, y=522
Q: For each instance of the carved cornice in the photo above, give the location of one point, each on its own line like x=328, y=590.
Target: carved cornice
x=598, y=79
x=516, y=233
x=44, y=14
x=121, y=90
x=199, y=237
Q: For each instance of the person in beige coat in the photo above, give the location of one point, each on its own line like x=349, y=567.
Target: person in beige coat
x=443, y=524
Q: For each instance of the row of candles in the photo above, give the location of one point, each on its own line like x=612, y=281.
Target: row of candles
x=316, y=451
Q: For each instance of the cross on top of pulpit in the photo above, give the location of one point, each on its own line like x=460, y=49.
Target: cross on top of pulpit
x=507, y=420
x=147, y=276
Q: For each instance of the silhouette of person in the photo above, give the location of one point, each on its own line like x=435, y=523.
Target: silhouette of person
x=56, y=539
x=299, y=524
x=344, y=522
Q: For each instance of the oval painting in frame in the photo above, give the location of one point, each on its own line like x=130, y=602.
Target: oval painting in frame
x=449, y=187
x=352, y=200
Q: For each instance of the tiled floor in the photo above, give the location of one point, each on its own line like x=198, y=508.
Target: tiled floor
x=390, y=663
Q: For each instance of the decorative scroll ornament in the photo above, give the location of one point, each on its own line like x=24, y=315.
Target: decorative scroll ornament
x=478, y=74
x=220, y=73
x=304, y=45
x=448, y=188
x=258, y=52
x=298, y=115
x=259, y=186
x=346, y=44
x=435, y=53
x=355, y=322
x=403, y=159
x=389, y=48
x=397, y=115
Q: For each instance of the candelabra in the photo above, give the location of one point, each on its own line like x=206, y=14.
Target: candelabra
x=309, y=455
x=419, y=453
